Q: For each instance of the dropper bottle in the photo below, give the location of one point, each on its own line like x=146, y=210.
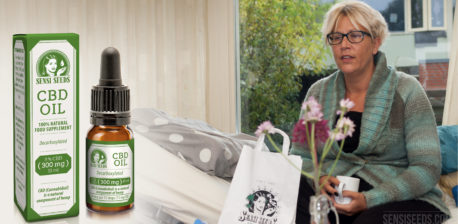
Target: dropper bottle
x=110, y=142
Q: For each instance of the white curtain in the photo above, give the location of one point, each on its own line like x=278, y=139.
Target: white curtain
x=176, y=55
x=450, y=116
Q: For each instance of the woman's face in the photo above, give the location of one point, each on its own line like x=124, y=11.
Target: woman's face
x=96, y=157
x=354, y=58
x=260, y=204
x=51, y=66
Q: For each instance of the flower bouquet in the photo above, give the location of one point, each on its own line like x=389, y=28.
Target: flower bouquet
x=313, y=131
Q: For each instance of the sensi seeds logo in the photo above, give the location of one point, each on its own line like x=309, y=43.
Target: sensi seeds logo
x=262, y=208
x=98, y=159
x=53, y=66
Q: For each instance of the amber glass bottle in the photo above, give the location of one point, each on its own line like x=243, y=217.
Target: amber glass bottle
x=110, y=142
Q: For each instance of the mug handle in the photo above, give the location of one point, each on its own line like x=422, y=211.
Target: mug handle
x=340, y=190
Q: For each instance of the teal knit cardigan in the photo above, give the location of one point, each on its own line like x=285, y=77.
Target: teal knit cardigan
x=398, y=152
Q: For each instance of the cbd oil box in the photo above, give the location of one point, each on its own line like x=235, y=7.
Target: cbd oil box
x=45, y=117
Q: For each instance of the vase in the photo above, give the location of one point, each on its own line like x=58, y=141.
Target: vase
x=319, y=208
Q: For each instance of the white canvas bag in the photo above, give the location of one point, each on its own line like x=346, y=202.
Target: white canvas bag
x=265, y=187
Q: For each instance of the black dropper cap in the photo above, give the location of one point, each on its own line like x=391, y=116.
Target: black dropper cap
x=110, y=99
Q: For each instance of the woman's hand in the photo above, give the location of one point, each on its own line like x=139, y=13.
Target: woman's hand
x=357, y=204
x=328, y=187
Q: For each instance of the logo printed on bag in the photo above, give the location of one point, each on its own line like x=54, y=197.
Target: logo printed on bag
x=262, y=208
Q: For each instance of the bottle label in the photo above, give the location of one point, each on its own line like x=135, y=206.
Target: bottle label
x=110, y=173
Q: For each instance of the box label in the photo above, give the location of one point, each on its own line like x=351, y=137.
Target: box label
x=110, y=178
x=53, y=131
x=19, y=123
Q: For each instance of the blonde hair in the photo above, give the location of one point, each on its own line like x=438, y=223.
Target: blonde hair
x=359, y=14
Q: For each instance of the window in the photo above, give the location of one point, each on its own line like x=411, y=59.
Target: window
x=417, y=18
x=422, y=48
x=412, y=15
x=437, y=12
x=393, y=11
x=426, y=15
x=281, y=55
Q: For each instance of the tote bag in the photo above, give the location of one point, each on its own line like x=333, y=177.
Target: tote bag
x=265, y=187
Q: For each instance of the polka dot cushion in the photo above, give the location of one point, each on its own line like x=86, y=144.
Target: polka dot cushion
x=196, y=142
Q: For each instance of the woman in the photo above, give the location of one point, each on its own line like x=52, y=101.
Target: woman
x=259, y=202
x=50, y=66
x=395, y=150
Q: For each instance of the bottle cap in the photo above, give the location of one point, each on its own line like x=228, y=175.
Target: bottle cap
x=110, y=100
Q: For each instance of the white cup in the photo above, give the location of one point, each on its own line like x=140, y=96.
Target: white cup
x=346, y=184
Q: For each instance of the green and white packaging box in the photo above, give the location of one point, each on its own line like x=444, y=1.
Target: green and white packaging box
x=45, y=117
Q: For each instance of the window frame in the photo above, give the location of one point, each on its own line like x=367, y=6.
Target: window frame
x=408, y=19
x=444, y=16
x=427, y=17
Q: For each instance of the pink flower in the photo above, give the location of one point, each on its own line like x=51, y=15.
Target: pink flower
x=337, y=136
x=346, y=126
x=299, y=133
x=265, y=127
x=345, y=105
x=312, y=110
x=321, y=131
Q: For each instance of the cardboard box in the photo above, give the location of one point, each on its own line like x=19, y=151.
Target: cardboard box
x=45, y=117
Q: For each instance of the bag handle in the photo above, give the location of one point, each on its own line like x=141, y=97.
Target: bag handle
x=286, y=141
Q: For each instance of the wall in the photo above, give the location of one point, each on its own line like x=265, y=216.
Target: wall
x=176, y=55
x=400, y=49
x=433, y=76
